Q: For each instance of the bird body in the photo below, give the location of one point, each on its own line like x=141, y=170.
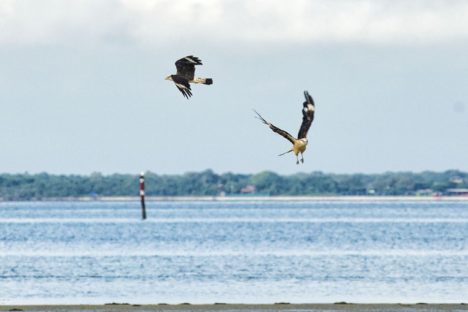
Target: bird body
x=299, y=146
x=299, y=143
x=186, y=75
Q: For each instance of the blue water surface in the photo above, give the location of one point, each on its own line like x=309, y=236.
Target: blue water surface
x=234, y=252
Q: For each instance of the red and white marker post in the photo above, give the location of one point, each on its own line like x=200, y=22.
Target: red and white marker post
x=142, y=196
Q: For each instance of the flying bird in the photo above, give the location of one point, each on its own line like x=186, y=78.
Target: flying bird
x=299, y=144
x=186, y=75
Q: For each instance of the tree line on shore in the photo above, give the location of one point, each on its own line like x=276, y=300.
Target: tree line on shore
x=208, y=183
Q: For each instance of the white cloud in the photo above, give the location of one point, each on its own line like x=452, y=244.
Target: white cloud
x=155, y=22
x=49, y=21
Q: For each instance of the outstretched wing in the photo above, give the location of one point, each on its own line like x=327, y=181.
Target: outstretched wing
x=183, y=85
x=186, y=66
x=308, y=112
x=281, y=132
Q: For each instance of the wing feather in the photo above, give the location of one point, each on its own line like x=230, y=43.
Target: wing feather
x=308, y=112
x=186, y=66
x=183, y=85
x=281, y=132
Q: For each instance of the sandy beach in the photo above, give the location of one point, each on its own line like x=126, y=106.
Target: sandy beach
x=239, y=307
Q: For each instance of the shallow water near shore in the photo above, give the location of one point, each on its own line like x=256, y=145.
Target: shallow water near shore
x=234, y=252
x=244, y=308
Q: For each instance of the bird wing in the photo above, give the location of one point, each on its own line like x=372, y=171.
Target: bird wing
x=183, y=85
x=308, y=112
x=281, y=132
x=186, y=66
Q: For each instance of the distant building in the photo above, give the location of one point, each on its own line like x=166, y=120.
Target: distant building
x=248, y=189
x=456, y=180
x=457, y=192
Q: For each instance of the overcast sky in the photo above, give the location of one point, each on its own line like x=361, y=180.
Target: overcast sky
x=82, y=85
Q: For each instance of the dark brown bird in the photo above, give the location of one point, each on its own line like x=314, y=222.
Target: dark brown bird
x=186, y=75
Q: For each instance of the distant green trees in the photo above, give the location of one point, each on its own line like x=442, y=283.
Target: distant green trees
x=207, y=183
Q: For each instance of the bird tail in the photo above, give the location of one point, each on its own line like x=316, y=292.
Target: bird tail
x=207, y=81
x=285, y=152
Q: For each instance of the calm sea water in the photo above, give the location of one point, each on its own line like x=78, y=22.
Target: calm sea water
x=249, y=252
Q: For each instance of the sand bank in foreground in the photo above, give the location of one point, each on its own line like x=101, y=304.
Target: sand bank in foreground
x=240, y=307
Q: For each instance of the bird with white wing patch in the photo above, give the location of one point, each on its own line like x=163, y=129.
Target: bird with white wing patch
x=186, y=75
x=299, y=143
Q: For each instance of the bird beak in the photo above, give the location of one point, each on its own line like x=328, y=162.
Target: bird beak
x=168, y=78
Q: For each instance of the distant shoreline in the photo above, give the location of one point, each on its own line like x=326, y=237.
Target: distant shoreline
x=247, y=198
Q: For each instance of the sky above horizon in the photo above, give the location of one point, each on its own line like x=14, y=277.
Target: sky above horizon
x=82, y=85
